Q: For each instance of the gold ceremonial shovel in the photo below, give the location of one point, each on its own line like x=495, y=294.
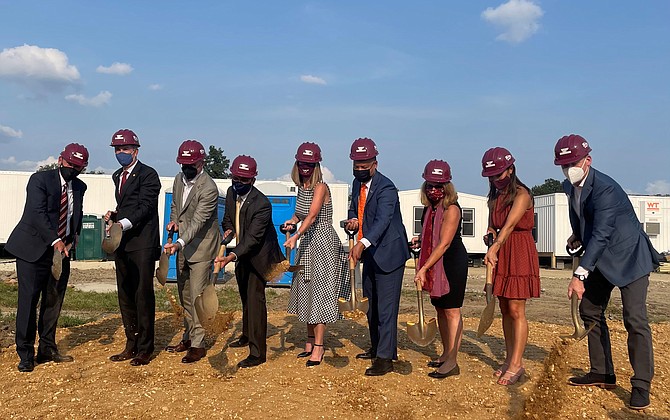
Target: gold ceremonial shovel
x=112, y=237
x=288, y=229
x=487, y=314
x=164, y=262
x=580, y=331
x=207, y=303
x=57, y=265
x=349, y=307
x=422, y=333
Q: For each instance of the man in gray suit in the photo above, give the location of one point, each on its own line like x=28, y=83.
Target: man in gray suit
x=193, y=215
x=618, y=253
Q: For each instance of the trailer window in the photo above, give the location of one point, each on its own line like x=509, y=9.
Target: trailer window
x=653, y=228
x=418, y=211
x=468, y=223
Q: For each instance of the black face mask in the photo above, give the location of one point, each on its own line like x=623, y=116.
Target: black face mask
x=241, y=188
x=189, y=171
x=68, y=174
x=363, y=175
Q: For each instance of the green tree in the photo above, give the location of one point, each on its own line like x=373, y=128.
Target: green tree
x=550, y=186
x=47, y=167
x=217, y=164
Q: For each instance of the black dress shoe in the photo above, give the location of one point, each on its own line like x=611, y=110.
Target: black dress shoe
x=594, y=379
x=639, y=399
x=52, y=356
x=434, y=364
x=124, y=355
x=26, y=366
x=311, y=363
x=241, y=342
x=182, y=346
x=453, y=372
x=368, y=355
x=380, y=367
x=305, y=354
x=194, y=354
x=250, y=361
x=141, y=359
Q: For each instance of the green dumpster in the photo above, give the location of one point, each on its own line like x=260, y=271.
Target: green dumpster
x=90, y=238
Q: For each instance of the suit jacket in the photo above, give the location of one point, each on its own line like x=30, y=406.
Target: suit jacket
x=38, y=227
x=258, y=246
x=382, y=222
x=138, y=202
x=198, y=218
x=609, y=230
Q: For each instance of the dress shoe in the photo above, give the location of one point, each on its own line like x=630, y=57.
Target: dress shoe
x=251, y=361
x=434, y=364
x=380, y=367
x=182, y=346
x=52, y=356
x=26, y=366
x=194, y=354
x=141, y=359
x=368, y=355
x=594, y=379
x=315, y=362
x=124, y=355
x=453, y=372
x=240, y=342
x=639, y=398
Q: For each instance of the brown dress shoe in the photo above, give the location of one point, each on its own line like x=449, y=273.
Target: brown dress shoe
x=141, y=359
x=182, y=346
x=124, y=355
x=194, y=354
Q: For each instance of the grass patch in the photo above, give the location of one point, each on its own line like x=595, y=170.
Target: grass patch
x=75, y=300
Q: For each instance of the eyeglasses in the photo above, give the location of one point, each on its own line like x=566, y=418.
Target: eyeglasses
x=434, y=186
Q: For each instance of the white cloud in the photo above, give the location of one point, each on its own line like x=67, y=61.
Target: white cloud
x=120, y=69
x=155, y=86
x=660, y=186
x=312, y=80
x=8, y=161
x=7, y=133
x=45, y=68
x=518, y=19
x=100, y=99
x=26, y=165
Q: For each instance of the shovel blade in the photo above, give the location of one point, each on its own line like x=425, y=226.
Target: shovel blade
x=57, y=265
x=113, y=239
x=363, y=305
x=487, y=317
x=422, y=336
x=345, y=305
x=162, y=270
x=207, y=305
x=294, y=268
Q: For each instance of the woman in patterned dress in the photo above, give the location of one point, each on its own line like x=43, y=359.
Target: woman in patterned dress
x=513, y=254
x=325, y=277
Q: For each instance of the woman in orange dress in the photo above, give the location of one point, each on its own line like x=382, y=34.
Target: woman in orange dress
x=513, y=255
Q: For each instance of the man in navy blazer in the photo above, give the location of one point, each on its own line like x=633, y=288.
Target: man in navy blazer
x=618, y=253
x=51, y=223
x=382, y=246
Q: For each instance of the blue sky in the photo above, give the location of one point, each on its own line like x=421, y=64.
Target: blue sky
x=426, y=80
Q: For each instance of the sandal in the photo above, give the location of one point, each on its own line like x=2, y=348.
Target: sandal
x=501, y=370
x=307, y=353
x=315, y=362
x=513, y=379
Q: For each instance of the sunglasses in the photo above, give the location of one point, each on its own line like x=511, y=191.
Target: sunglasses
x=434, y=186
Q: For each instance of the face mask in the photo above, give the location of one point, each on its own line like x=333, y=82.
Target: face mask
x=124, y=159
x=363, y=175
x=305, y=169
x=574, y=174
x=435, y=196
x=189, y=171
x=501, y=184
x=241, y=188
x=68, y=174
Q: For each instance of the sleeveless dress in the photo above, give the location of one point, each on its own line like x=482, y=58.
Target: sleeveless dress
x=325, y=277
x=517, y=274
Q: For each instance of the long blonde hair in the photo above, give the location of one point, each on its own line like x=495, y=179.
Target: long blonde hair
x=317, y=176
x=450, y=195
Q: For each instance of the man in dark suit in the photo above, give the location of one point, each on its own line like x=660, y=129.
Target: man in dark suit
x=382, y=246
x=51, y=223
x=618, y=253
x=257, y=253
x=137, y=188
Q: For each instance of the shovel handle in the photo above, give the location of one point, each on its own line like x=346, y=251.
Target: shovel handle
x=217, y=266
x=170, y=237
x=576, y=252
x=288, y=228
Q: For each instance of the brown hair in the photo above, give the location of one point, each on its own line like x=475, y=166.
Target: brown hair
x=317, y=176
x=510, y=190
x=450, y=195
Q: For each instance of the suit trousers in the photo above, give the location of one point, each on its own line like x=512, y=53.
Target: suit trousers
x=592, y=310
x=134, y=280
x=192, y=279
x=383, y=292
x=254, y=310
x=35, y=281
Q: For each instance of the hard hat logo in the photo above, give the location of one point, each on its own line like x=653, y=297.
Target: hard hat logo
x=437, y=171
x=78, y=155
x=490, y=164
x=308, y=152
x=244, y=166
x=119, y=137
x=186, y=153
x=361, y=149
x=565, y=151
x=585, y=145
x=508, y=157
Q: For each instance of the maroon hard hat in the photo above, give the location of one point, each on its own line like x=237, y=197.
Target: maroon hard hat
x=363, y=149
x=125, y=137
x=75, y=154
x=244, y=167
x=190, y=152
x=570, y=149
x=308, y=153
x=495, y=161
x=437, y=171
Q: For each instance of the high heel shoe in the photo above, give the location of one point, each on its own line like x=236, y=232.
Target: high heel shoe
x=307, y=353
x=315, y=362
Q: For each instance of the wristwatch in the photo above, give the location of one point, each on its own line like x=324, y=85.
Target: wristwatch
x=581, y=277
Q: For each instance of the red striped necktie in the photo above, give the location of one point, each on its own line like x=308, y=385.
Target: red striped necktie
x=124, y=178
x=62, y=218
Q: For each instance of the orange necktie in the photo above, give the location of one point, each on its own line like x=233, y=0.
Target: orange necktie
x=361, y=206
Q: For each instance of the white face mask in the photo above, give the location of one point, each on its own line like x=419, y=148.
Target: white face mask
x=574, y=174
